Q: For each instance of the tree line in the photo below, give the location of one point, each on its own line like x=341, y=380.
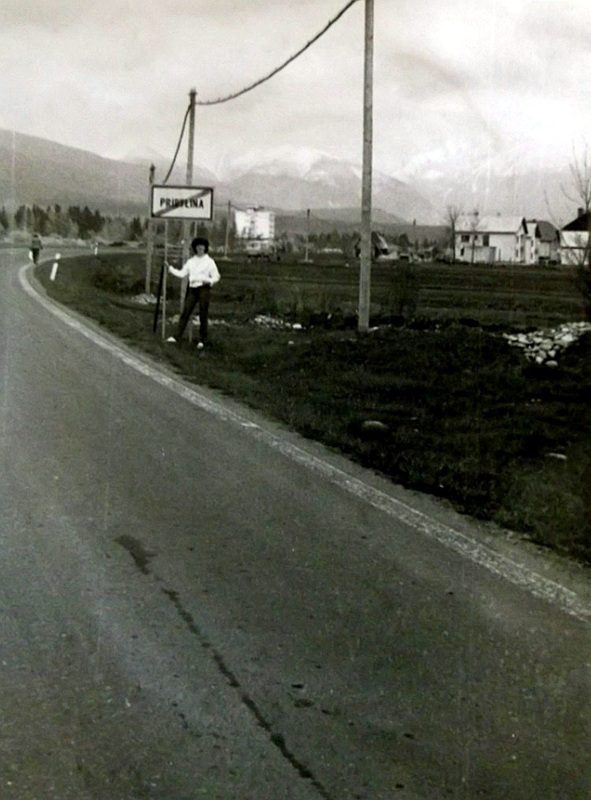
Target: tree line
x=76, y=222
x=72, y=222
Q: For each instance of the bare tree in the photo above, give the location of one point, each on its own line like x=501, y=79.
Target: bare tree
x=580, y=170
x=580, y=194
x=452, y=214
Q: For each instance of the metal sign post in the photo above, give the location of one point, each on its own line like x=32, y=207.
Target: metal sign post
x=164, y=276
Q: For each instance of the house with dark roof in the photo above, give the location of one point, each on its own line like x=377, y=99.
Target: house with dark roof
x=574, y=239
x=543, y=242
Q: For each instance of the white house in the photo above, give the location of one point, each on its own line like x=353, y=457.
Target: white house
x=486, y=240
x=574, y=240
x=255, y=223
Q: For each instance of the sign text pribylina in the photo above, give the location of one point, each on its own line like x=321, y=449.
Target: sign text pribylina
x=182, y=202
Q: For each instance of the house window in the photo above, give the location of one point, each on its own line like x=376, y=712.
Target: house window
x=485, y=240
x=465, y=237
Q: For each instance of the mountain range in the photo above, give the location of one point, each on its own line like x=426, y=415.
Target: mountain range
x=38, y=171
x=34, y=170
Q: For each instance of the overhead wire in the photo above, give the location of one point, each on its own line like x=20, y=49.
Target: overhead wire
x=178, y=147
x=262, y=80
x=282, y=66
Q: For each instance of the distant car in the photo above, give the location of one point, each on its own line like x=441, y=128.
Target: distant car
x=259, y=248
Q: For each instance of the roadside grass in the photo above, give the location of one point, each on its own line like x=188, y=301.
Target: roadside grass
x=463, y=415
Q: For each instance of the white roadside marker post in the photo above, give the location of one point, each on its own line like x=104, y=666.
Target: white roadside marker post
x=55, y=266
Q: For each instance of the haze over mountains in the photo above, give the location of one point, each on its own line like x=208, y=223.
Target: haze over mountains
x=34, y=170
x=38, y=171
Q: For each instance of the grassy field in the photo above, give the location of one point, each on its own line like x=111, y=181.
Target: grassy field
x=463, y=415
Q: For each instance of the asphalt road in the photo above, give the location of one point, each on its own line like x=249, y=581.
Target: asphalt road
x=195, y=604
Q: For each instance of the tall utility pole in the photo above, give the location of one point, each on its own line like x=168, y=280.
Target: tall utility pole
x=365, y=253
x=189, y=182
x=191, y=149
x=190, y=156
x=150, y=243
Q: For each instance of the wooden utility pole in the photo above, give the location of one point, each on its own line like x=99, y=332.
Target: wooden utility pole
x=365, y=251
x=191, y=148
x=306, y=259
x=189, y=182
x=150, y=242
x=190, y=157
x=227, y=238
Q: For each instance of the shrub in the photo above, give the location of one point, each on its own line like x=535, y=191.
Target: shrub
x=117, y=278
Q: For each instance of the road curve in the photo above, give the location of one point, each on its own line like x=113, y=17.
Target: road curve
x=197, y=604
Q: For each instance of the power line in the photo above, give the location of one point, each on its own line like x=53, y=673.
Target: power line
x=178, y=147
x=282, y=66
x=271, y=74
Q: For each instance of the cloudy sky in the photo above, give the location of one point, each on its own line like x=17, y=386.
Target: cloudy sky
x=458, y=86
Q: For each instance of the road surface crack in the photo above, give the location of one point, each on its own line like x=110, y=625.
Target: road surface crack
x=275, y=738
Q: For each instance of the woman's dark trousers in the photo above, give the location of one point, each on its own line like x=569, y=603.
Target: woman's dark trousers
x=195, y=295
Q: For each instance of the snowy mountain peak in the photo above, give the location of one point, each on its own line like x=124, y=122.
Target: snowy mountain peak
x=297, y=162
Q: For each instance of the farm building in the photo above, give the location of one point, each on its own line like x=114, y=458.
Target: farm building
x=486, y=240
x=574, y=239
x=379, y=246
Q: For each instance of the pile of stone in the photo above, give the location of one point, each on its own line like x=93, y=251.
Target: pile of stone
x=267, y=321
x=544, y=346
x=144, y=299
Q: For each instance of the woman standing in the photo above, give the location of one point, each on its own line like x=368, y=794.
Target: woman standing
x=202, y=272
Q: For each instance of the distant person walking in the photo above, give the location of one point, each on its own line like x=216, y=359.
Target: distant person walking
x=36, y=247
x=202, y=272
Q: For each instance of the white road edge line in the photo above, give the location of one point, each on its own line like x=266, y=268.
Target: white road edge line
x=517, y=574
